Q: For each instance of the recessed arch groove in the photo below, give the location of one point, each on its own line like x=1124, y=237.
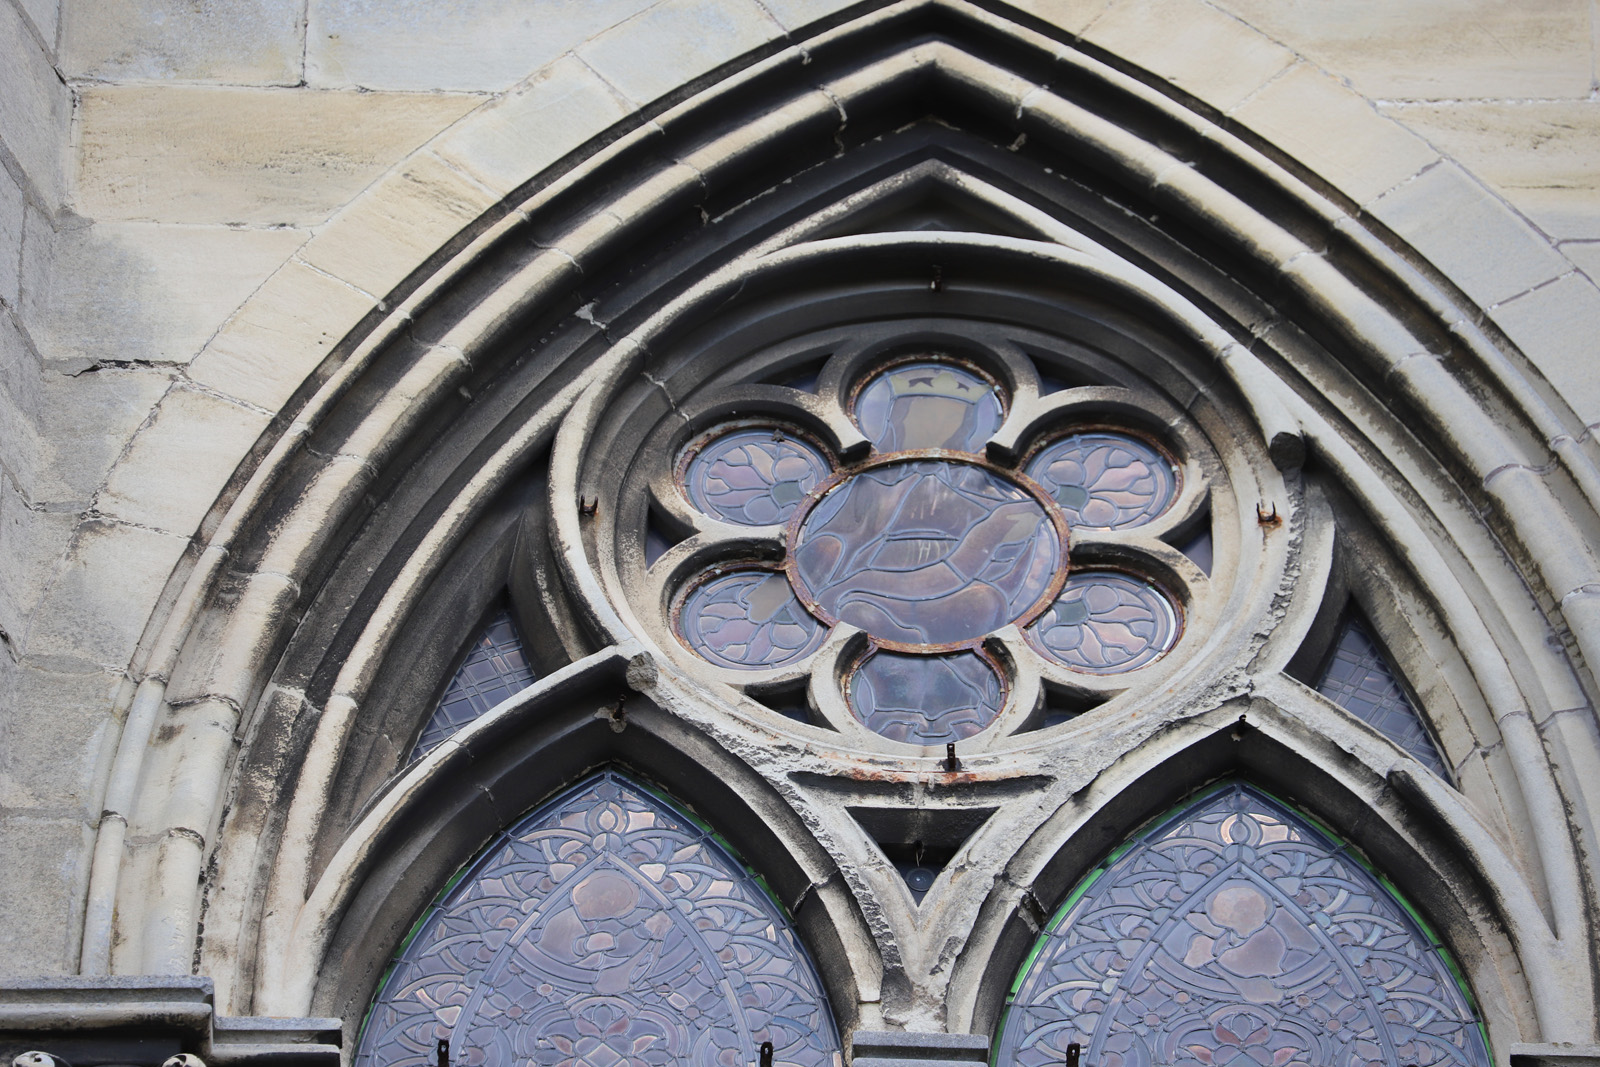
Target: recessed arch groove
x=404, y=456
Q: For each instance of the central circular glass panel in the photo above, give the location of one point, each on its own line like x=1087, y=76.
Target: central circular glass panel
x=927, y=553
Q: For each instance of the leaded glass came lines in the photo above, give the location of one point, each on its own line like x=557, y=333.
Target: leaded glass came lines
x=605, y=929
x=495, y=668
x=1359, y=679
x=1237, y=934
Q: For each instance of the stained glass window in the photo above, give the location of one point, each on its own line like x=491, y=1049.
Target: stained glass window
x=605, y=929
x=1236, y=933
x=929, y=547
x=1359, y=679
x=496, y=667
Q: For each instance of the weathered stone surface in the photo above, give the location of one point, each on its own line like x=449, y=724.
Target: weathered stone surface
x=796, y=14
x=1585, y=255
x=1070, y=15
x=41, y=882
x=1468, y=234
x=1555, y=326
x=1180, y=40
x=242, y=42
x=86, y=422
x=231, y=155
x=513, y=138
x=481, y=45
x=152, y=292
x=54, y=720
x=99, y=595
x=35, y=106
x=45, y=16
x=178, y=463
x=266, y=350
x=1543, y=156
x=1334, y=132
x=1434, y=49
x=393, y=227
x=676, y=41
x=21, y=406
x=11, y=216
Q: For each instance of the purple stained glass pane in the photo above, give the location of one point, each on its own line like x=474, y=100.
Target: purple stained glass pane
x=748, y=620
x=1106, y=622
x=1106, y=481
x=606, y=929
x=1237, y=934
x=926, y=552
x=754, y=477
x=1359, y=679
x=929, y=405
x=925, y=700
x=495, y=668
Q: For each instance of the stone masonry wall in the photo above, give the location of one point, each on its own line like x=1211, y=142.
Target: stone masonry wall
x=164, y=162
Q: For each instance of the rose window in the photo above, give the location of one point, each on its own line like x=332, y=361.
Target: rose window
x=936, y=554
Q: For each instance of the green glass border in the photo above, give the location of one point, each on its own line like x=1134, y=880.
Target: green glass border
x=1193, y=800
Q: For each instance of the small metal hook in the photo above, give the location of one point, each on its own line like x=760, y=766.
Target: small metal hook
x=1268, y=518
x=587, y=507
x=1074, y=1050
x=441, y=1052
x=766, y=1054
x=937, y=284
x=951, y=764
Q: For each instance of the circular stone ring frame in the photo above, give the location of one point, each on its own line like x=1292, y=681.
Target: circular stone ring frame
x=843, y=356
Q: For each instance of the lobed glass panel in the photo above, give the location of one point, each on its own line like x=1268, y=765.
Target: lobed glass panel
x=495, y=668
x=1238, y=934
x=929, y=404
x=1106, y=622
x=1359, y=679
x=754, y=477
x=1105, y=480
x=748, y=620
x=605, y=929
x=925, y=700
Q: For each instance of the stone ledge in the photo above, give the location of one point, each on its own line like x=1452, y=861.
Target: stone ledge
x=1555, y=1055
x=909, y=1048
x=141, y=1020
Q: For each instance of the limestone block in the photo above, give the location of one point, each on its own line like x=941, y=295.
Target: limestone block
x=1557, y=327
x=1585, y=255
x=795, y=14
x=21, y=408
x=12, y=212
x=1467, y=233
x=1437, y=49
x=242, y=42
x=282, y=334
x=133, y=291
x=480, y=45
x=1071, y=15
x=35, y=106
x=202, y=154
x=1334, y=132
x=60, y=721
x=675, y=42
x=1542, y=156
x=100, y=595
x=31, y=540
x=43, y=875
x=512, y=139
x=178, y=463
x=86, y=422
x=1182, y=40
x=389, y=230
x=46, y=16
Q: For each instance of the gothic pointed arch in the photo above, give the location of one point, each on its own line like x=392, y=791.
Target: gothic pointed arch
x=935, y=185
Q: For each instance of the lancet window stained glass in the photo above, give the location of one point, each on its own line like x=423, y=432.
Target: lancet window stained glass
x=1236, y=933
x=495, y=668
x=605, y=929
x=1359, y=679
x=929, y=548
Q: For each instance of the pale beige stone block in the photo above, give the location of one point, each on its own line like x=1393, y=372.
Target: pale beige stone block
x=244, y=155
x=390, y=229
x=12, y=213
x=58, y=721
x=1191, y=44
x=677, y=41
x=100, y=595
x=178, y=463
x=42, y=878
x=1473, y=238
x=280, y=335
x=1585, y=255
x=151, y=291
x=795, y=14
x=1334, y=132
x=21, y=407
x=1543, y=157
x=46, y=17
x=242, y=42
x=1437, y=49
x=31, y=540
x=476, y=45
x=1558, y=327
x=86, y=422
x=512, y=139
x=1071, y=15
x=35, y=106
